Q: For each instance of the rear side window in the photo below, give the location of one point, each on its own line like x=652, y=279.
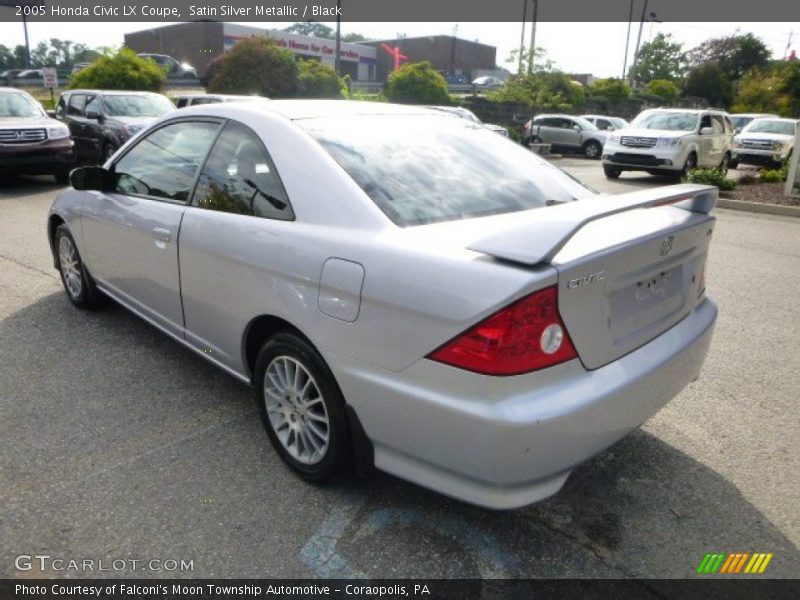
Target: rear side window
x=181, y=102
x=425, y=169
x=164, y=163
x=239, y=177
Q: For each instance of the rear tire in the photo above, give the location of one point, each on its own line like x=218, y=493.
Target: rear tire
x=302, y=408
x=592, y=150
x=78, y=283
x=612, y=172
x=689, y=165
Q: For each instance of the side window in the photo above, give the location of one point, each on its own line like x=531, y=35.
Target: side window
x=603, y=124
x=76, y=105
x=549, y=122
x=239, y=177
x=61, y=109
x=181, y=102
x=164, y=163
x=94, y=105
x=705, y=121
x=717, y=124
x=566, y=123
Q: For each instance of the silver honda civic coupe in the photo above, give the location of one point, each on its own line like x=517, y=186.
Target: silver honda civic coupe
x=403, y=289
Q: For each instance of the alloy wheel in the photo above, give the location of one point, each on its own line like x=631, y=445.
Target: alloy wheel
x=70, y=266
x=296, y=410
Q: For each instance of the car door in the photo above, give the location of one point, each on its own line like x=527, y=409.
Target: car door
x=77, y=123
x=131, y=232
x=233, y=244
x=548, y=130
x=569, y=133
x=719, y=146
x=93, y=130
x=705, y=143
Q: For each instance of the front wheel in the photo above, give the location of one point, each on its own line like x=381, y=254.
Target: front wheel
x=689, y=165
x=301, y=407
x=725, y=164
x=78, y=283
x=611, y=172
x=592, y=150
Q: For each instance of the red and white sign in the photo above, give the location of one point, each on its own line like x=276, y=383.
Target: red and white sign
x=49, y=78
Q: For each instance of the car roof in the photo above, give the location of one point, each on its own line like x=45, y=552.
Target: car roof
x=316, y=109
x=112, y=92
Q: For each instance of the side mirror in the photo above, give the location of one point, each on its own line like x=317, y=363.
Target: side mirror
x=94, y=115
x=94, y=179
x=737, y=130
x=706, y=130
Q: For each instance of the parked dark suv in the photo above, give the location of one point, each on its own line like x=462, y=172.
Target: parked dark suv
x=101, y=121
x=30, y=141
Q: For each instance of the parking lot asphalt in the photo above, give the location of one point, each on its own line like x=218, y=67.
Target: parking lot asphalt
x=120, y=444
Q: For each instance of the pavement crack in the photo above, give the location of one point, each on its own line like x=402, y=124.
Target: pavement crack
x=25, y=266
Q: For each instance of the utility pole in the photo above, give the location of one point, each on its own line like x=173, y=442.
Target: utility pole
x=627, y=42
x=337, y=61
x=453, y=52
x=638, y=41
x=27, y=43
x=533, y=36
x=788, y=45
x=522, y=35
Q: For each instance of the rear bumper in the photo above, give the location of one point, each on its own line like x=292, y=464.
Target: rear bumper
x=42, y=158
x=505, y=442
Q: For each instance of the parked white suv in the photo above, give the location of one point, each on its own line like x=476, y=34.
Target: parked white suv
x=670, y=141
x=765, y=142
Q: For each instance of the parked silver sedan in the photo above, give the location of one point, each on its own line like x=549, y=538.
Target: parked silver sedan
x=402, y=289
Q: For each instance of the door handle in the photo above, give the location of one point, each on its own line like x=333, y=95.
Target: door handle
x=162, y=235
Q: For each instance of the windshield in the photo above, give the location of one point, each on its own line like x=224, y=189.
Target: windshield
x=667, y=121
x=137, y=106
x=619, y=123
x=741, y=122
x=18, y=105
x=425, y=169
x=772, y=126
x=585, y=125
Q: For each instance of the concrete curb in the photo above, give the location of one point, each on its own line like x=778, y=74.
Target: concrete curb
x=758, y=207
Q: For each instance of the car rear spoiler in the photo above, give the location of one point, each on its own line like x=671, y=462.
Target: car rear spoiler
x=540, y=234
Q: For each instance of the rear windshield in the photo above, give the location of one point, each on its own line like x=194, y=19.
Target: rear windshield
x=427, y=169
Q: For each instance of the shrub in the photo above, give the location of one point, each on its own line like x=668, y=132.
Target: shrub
x=256, y=65
x=747, y=180
x=123, y=70
x=711, y=177
x=775, y=175
x=612, y=90
x=316, y=80
x=417, y=83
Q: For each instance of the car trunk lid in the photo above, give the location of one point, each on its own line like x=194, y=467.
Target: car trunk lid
x=629, y=266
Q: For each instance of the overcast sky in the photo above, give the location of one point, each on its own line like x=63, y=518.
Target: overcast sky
x=596, y=48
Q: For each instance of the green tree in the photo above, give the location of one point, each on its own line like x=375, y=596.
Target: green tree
x=612, y=89
x=664, y=89
x=255, y=65
x=316, y=80
x=734, y=54
x=661, y=58
x=543, y=90
x=7, y=58
x=709, y=81
x=775, y=90
x=417, y=83
x=122, y=70
x=313, y=29
x=354, y=37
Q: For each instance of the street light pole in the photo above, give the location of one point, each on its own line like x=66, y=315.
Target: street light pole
x=627, y=42
x=533, y=36
x=638, y=41
x=27, y=43
x=522, y=35
x=337, y=61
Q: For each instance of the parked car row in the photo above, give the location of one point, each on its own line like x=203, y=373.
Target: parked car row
x=668, y=141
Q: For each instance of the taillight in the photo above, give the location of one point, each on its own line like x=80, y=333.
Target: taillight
x=526, y=336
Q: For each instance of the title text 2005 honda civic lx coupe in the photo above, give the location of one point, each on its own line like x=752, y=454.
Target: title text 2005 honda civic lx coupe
x=402, y=288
